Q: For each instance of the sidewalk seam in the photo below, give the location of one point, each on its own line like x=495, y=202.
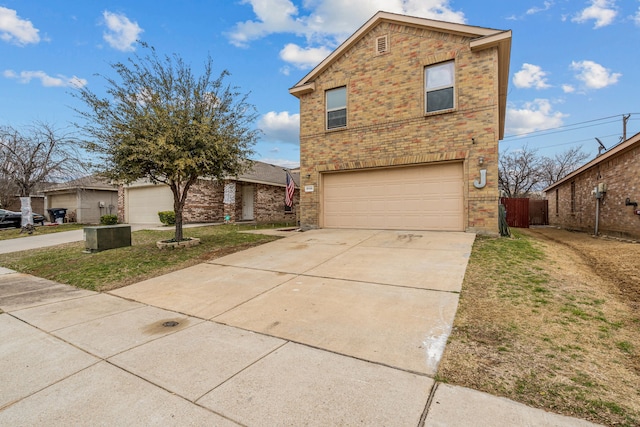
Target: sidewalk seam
x=423, y=418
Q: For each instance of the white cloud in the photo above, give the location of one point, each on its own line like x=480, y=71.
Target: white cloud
x=594, y=75
x=533, y=116
x=568, y=88
x=275, y=16
x=326, y=23
x=531, y=76
x=281, y=127
x=303, y=57
x=601, y=11
x=636, y=17
x=15, y=30
x=534, y=10
x=121, y=33
x=45, y=79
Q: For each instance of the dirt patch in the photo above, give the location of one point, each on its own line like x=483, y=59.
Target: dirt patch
x=550, y=318
x=615, y=261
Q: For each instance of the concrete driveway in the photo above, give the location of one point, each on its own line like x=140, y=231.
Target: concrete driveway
x=326, y=327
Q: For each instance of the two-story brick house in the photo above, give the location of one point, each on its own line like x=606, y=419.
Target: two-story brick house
x=399, y=127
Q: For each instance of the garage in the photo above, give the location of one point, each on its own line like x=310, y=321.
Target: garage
x=143, y=203
x=404, y=198
x=68, y=201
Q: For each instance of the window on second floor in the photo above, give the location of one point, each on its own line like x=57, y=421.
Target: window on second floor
x=439, y=87
x=336, y=107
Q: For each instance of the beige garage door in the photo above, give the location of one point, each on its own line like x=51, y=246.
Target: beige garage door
x=68, y=201
x=407, y=198
x=142, y=204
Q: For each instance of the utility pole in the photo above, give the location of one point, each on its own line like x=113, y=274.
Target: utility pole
x=625, y=119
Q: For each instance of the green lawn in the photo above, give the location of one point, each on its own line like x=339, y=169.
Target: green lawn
x=119, y=267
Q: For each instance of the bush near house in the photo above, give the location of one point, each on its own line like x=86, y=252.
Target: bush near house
x=109, y=219
x=167, y=217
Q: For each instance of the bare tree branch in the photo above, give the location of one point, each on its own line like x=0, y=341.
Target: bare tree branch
x=523, y=172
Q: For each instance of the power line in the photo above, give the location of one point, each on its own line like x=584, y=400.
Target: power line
x=551, y=131
x=578, y=141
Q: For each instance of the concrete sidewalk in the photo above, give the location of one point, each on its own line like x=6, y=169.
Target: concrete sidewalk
x=320, y=328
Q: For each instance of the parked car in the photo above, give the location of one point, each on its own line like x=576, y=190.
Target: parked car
x=14, y=219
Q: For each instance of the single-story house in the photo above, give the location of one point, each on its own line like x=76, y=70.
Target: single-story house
x=606, y=190
x=85, y=199
x=257, y=195
x=399, y=127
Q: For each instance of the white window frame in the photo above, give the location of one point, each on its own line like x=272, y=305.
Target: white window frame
x=451, y=85
x=336, y=108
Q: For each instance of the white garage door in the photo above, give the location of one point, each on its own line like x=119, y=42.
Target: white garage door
x=407, y=198
x=142, y=204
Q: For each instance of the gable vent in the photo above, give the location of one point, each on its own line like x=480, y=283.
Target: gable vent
x=382, y=44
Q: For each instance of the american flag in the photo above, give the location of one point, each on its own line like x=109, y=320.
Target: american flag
x=291, y=188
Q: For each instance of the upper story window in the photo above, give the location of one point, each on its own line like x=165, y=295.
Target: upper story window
x=439, y=86
x=336, y=108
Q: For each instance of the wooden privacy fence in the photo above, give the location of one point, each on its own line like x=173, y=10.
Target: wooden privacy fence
x=524, y=212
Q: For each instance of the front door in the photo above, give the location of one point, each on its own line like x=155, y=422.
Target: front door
x=247, y=202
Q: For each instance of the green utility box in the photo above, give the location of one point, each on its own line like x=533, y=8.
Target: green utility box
x=101, y=238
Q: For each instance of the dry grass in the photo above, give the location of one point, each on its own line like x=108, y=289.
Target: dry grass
x=537, y=325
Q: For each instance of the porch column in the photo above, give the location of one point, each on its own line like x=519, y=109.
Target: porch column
x=229, y=210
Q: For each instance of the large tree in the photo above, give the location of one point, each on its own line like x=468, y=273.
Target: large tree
x=161, y=122
x=523, y=172
x=33, y=156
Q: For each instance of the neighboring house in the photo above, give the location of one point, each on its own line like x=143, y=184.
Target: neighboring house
x=85, y=199
x=399, y=127
x=573, y=203
x=257, y=195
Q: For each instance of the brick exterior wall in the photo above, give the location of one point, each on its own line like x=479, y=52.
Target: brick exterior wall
x=620, y=174
x=204, y=202
x=268, y=204
x=386, y=122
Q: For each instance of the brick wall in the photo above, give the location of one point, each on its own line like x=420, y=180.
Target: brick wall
x=387, y=125
x=204, y=202
x=269, y=205
x=620, y=174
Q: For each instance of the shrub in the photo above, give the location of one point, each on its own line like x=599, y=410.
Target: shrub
x=167, y=217
x=109, y=219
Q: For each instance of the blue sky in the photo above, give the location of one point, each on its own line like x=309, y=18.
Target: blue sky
x=575, y=66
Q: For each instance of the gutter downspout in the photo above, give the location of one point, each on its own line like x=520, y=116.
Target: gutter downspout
x=597, y=214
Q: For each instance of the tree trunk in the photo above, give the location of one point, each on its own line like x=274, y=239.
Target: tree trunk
x=179, y=200
x=25, y=210
x=177, y=209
